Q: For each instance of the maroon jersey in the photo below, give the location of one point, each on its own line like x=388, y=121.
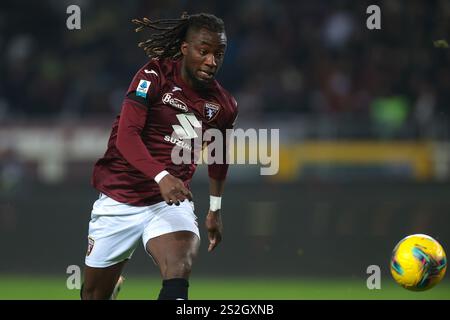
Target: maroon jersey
x=157, y=105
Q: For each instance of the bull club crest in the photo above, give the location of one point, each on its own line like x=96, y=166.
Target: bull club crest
x=211, y=110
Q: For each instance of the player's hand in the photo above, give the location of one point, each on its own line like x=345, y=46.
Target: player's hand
x=173, y=190
x=215, y=228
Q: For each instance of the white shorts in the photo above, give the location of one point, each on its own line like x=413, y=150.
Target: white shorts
x=116, y=228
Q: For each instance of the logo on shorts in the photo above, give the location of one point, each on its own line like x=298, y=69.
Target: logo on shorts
x=91, y=242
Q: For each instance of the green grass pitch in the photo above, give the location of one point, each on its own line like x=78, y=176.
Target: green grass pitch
x=224, y=288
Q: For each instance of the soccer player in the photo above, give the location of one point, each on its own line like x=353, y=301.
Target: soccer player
x=144, y=195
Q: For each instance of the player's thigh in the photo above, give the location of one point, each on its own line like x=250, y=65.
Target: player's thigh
x=179, y=247
x=173, y=233
x=113, y=237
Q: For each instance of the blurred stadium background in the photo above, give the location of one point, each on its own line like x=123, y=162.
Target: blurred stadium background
x=364, y=129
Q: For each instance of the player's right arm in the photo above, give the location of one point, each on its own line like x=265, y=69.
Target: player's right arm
x=132, y=121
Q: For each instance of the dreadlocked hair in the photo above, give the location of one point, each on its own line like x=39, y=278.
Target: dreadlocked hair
x=172, y=32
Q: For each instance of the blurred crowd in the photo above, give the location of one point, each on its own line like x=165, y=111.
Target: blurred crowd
x=285, y=59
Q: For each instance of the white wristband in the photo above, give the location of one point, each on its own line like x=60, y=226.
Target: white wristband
x=214, y=203
x=160, y=175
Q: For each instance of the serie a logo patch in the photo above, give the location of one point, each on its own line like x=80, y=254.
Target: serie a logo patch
x=142, y=88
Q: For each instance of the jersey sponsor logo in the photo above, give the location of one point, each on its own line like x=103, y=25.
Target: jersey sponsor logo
x=142, y=88
x=91, y=243
x=211, y=110
x=178, y=142
x=174, y=102
x=151, y=71
x=185, y=130
x=188, y=124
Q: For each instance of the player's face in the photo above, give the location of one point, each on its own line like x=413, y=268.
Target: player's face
x=203, y=53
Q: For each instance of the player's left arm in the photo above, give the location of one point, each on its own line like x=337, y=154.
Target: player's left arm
x=217, y=173
x=213, y=218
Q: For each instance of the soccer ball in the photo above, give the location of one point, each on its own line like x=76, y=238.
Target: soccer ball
x=418, y=262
